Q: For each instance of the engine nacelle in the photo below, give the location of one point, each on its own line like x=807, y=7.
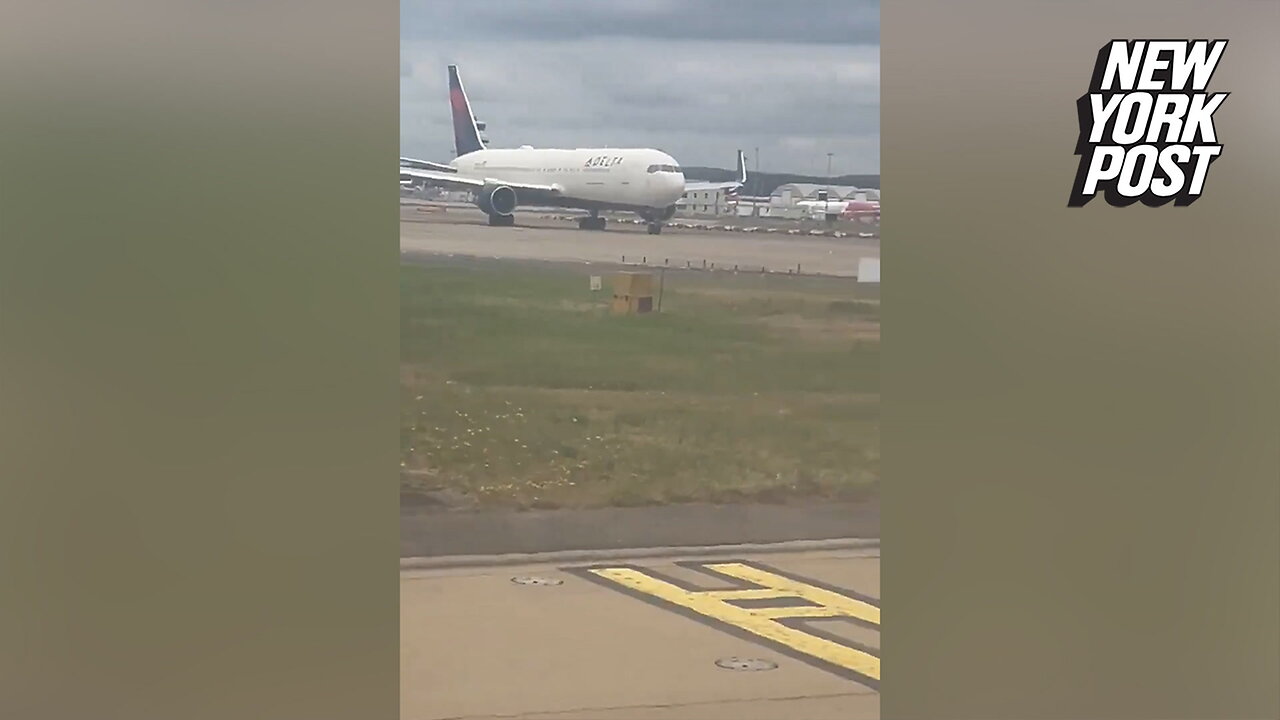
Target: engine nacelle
x=499, y=200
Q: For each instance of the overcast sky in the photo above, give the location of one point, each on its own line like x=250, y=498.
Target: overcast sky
x=696, y=78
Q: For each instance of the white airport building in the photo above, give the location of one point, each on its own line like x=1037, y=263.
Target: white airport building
x=783, y=202
x=792, y=193
x=705, y=203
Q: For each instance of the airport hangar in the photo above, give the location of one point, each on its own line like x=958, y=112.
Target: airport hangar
x=782, y=202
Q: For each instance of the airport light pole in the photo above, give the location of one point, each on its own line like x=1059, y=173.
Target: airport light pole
x=755, y=204
x=827, y=210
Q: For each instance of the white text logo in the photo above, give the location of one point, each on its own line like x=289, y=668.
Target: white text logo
x=1146, y=124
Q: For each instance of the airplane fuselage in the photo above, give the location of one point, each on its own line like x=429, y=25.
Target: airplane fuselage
x=632, y=179
x=844, y=208
x=820, y=206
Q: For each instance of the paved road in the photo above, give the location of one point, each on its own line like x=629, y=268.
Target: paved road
x=426, y=533
x=641, y=640
x=464, y=232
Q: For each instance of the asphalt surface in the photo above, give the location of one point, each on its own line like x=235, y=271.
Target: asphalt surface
x=425, y=533
x=465, y=232
x=716, y=638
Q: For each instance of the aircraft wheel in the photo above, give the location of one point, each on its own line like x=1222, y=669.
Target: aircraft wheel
x=655, y=228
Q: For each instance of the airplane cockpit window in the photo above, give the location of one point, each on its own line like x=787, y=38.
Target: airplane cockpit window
x=653, y=168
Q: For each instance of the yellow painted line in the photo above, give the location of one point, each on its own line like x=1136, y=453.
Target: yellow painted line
x=759, y=622
x=748, y=594
x=786, y=586
x=799, y=612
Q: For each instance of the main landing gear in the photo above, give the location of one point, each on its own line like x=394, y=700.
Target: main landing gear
x=502, y=220
x=655, y=228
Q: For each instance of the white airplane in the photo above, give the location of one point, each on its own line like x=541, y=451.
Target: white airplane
x=823, y=207
x=645, y=181
x=846, y=209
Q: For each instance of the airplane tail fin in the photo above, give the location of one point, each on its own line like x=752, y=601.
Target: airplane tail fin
x=466, y=136
x=742, y=167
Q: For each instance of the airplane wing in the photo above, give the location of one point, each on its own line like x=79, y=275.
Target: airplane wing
x=453, y=180
x=710, y=186
x=426, y=165
x=731, y=185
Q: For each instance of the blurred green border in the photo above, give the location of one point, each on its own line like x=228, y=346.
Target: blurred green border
x=1081, y=514
x=197, y=300
x=199, y=311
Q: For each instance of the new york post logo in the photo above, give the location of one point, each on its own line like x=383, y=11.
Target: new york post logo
x=1146, y=124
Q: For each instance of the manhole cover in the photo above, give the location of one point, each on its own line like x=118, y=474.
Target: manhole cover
x=535, y=580
x=746, y=664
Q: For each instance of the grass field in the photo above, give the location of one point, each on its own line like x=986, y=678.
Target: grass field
x=520, y=389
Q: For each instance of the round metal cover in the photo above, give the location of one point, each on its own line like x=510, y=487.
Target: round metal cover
x=746, y=664
x=535, y=580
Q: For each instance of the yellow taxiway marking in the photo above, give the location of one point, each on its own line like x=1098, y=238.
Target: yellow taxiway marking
x=833, y=604
x=763, y=622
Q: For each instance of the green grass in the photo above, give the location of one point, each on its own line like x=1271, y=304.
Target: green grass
x=519, y=388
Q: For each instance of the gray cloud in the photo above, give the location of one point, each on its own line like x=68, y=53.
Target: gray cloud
x=699, y=93
x=843, y=22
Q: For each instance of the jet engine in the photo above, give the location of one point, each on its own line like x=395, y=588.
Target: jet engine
x=500, y=200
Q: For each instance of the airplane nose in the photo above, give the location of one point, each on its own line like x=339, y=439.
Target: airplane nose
x=675, y=186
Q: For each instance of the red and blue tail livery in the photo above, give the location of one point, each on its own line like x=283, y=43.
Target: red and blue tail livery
x=466, y=136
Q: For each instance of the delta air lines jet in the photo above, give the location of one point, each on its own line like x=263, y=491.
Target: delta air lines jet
x=641, y=180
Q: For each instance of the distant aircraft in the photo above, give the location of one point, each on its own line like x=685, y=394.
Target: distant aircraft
x=823, y=207
x=645, y=181
x=861, y=209
x=846, y=209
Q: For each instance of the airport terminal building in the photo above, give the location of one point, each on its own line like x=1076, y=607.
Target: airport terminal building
x=705, y=203
x=782, y=202
x=793, y=193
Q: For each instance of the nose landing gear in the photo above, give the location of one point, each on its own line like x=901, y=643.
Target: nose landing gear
x=594, y=222
x=656, y=217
